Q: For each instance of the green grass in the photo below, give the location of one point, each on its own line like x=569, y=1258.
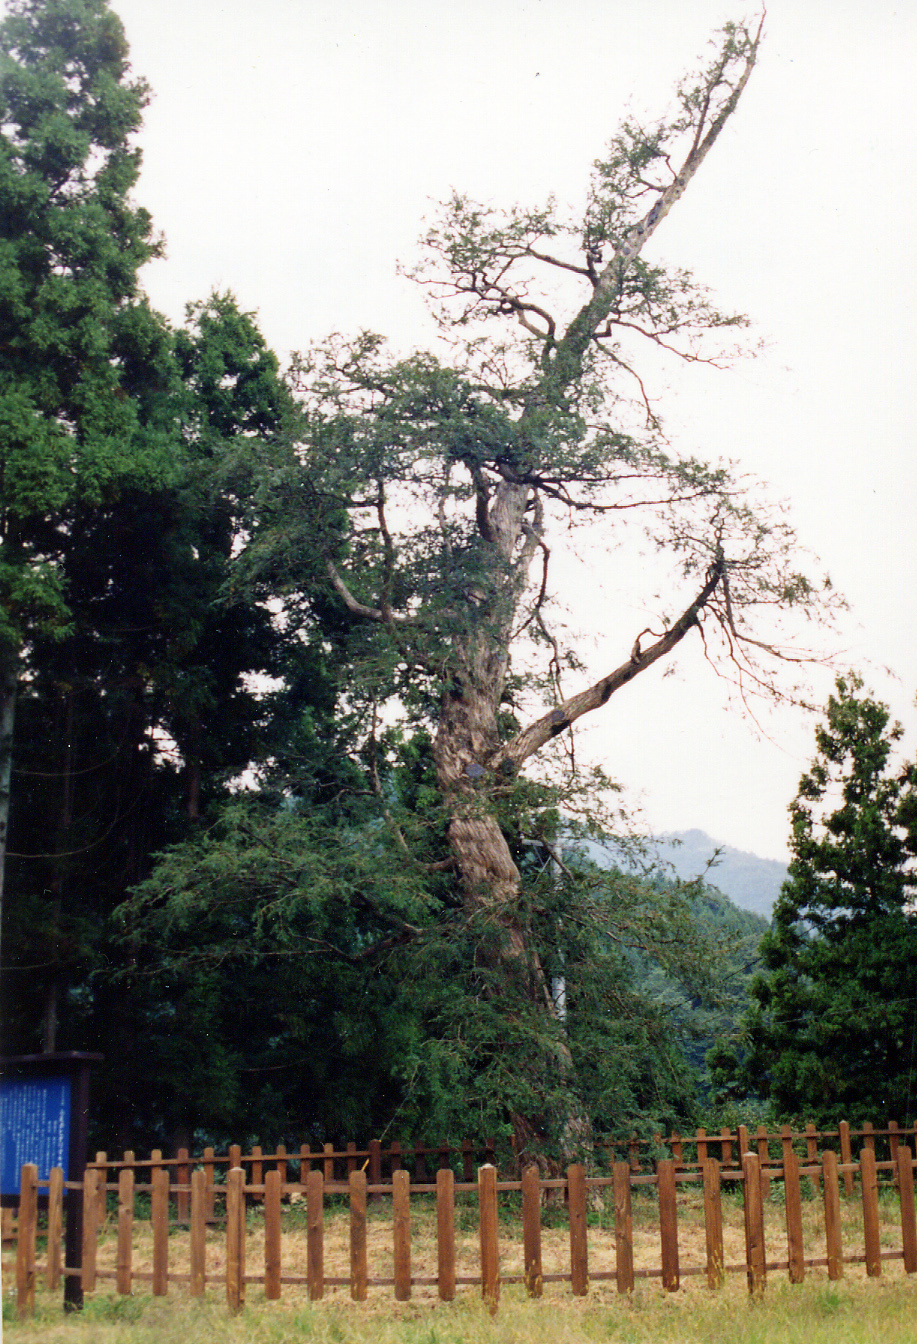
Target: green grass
x=849, y=1312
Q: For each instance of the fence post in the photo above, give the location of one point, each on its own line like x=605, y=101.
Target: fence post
x=701, y=1141
x=358, y=1266
x=375, y=1164
x=90, y=1216
x=894, y=1138
x=272, y=1184
x=576, y=1209
x=235, y=1240
x=200, y=1204
x=713, y=1224
x=633, y=1152
x=754, y=1225
x=55, y=1226
x=624, y=1229
x=668, y=1224
x=531, y=1230
x=102, y=1159
x=487, y=1225
x=792, y=1195
x=159, y=1215
x=870, y=1190
x=742, y=1137
x=25, y=1248
x=73, y=1242
x=401, y=1234
x=812, y=1150
x=764, y=1158
x=282, y=1165
x=305, y=1165
x=726, y=1146
x=257, y=1171
x=125, y=1252
x=315, y=1234
x=182, y=1178
x=833, y=1247
x=445, y=1233
x=467, y=1162
x=209, y=1182
x=908, y=1217
x=846, y=1156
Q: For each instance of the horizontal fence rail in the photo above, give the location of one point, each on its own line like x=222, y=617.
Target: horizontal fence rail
x=422, y=1160
x=228, y=1245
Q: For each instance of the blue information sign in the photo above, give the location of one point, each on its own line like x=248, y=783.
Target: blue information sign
x=34, y=1127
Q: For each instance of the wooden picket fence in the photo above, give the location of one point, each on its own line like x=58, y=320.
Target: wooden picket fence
x=211, y=1202
x=380, y=1161
x=689, y=1152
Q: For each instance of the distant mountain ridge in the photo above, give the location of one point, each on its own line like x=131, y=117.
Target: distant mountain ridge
x=750, y=882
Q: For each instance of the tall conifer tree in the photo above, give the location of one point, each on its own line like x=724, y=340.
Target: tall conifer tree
x=833, y=1032
x=85, y=366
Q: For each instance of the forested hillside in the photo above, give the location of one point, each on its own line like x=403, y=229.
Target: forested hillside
x=288, y=824
x=750, y=882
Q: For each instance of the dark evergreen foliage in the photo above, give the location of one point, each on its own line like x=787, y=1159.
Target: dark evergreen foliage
x=85, y=366
x=125, y=465
x=833, y=1032
x=135, y=720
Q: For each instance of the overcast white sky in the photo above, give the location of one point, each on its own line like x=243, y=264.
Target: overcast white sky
x=293, y=147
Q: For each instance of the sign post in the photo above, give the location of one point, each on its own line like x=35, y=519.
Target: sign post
x=44, y=1116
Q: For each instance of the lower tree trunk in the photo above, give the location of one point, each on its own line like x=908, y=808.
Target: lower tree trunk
x=191, y=749
x=491, y=887
x=64, y=722
x=9, y=682
x=182, y=1135
x=49, y=1018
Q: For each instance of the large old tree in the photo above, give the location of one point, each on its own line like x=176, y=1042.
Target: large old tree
x=423, y=498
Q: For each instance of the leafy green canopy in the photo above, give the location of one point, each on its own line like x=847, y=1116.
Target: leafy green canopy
x=833, y=1033
x=85, y=371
